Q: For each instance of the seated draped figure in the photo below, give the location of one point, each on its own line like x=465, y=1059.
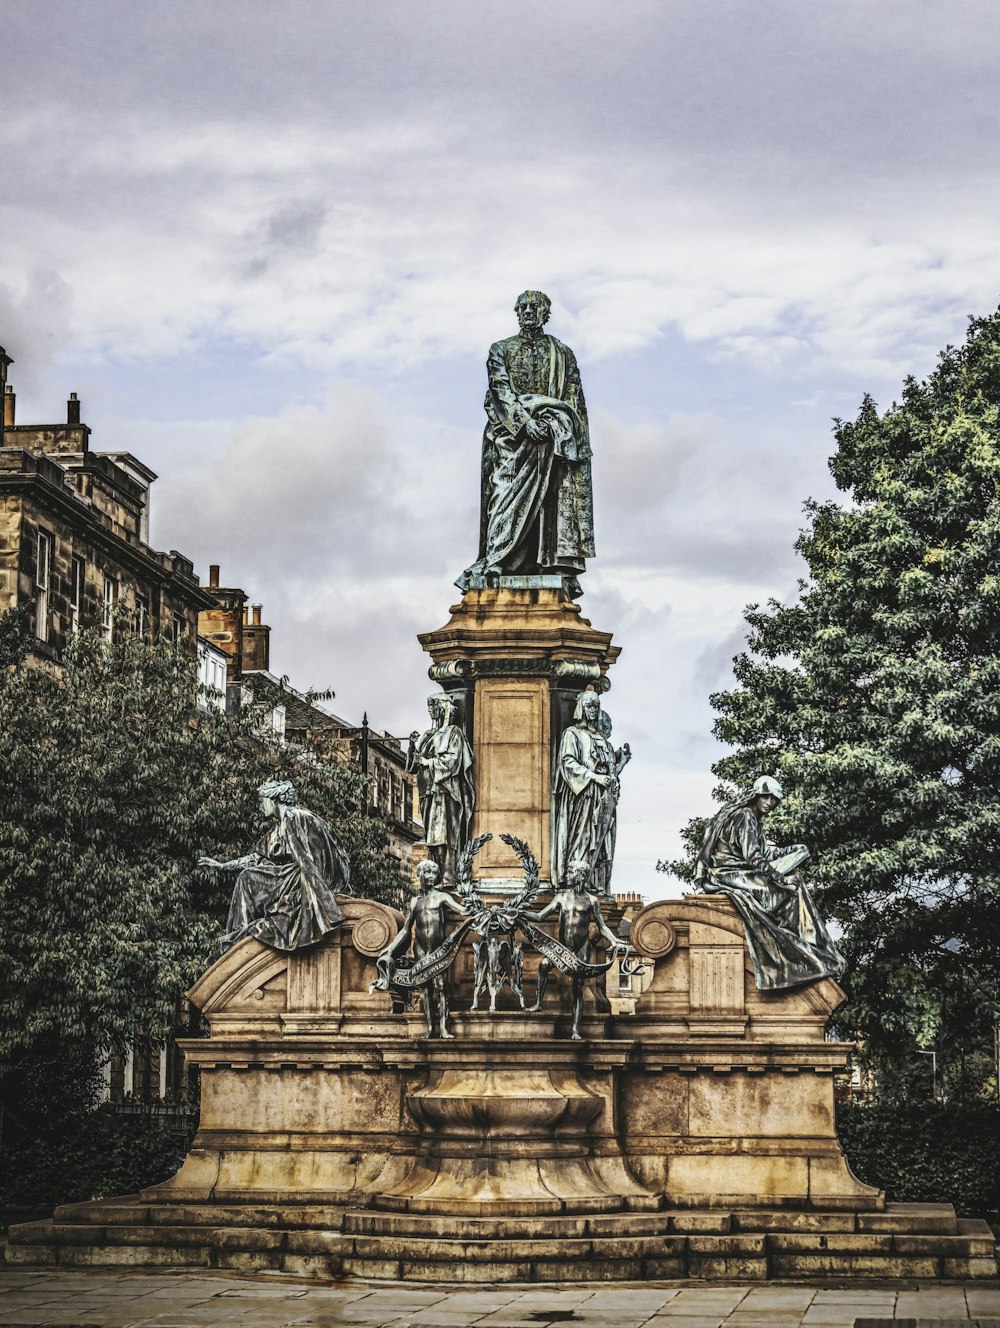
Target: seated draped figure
x=285, y=892
x=789, y=942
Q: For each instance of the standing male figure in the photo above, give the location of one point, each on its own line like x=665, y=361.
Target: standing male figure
x=442, y=760
x=424, y=928
x=537, y=500
x=585, y=791
x=577, y=908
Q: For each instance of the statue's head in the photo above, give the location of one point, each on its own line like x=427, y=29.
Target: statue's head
x=441, y=708
x=578, y=875
x=273, y=791
x=766, y=793
x=588, y=707
x=532, y=308
x=427, y=875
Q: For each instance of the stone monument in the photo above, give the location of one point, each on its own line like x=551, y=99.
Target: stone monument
x=694, y=1137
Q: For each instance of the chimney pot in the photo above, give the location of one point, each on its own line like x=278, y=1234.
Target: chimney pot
x=213, y=574
x=73, y=409
x=256, y=614
x=9, y=402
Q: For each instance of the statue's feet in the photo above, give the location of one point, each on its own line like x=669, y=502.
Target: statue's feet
x=576, y=1036
x=424, y=1036
x=446, y=1034
x=532, y=1009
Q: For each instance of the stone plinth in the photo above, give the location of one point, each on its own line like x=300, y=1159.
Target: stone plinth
x=695, y=1138
x=516, y=659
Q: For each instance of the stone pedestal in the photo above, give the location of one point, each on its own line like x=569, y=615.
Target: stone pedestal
x=516, y=659
x=696, y=1138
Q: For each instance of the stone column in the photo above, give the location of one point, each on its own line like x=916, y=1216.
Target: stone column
x=517, y=658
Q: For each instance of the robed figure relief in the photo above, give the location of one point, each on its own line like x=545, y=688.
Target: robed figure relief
x=787, y=939
x=286, y=887
x=585, y=791
x=441, y=758
x=537, y=502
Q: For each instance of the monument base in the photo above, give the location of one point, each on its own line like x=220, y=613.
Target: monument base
x=694, y=1139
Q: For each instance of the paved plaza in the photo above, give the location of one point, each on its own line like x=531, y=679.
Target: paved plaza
x=103, y=1299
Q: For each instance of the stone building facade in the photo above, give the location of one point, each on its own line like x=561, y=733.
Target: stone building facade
x=74, y=538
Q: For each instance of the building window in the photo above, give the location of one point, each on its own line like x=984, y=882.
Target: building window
x=43, y=574
x=78, y=571
x=110, y=600
x=141, y=616
x=180, y=627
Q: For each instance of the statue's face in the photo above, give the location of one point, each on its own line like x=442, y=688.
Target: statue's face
x=268, y=806
x=437, y=712
x=766, y=802
x=427, y=875
x=578, y=879
x=591, y=708
x=532, y=313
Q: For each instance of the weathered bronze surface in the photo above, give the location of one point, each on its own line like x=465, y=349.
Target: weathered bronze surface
x=284, y=894
x=577, y=909
x=585, y=791
x=442, y=760
x=787, y=939
x=537, y=518
x=433, y=950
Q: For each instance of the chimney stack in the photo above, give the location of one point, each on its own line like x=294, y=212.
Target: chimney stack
x=73, y=409
x=9, y=402
x=256, y=614
x=213, y=574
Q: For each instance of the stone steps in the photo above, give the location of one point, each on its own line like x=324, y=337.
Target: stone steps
x=919, y=1241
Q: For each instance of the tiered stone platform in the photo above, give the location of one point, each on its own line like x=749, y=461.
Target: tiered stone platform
x=694, y=1139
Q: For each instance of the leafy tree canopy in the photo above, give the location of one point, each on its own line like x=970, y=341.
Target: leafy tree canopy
x=875, y=697
x=112, y=782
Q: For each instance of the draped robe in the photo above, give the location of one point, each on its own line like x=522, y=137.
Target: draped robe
x=584, y=811
x=787, y=939
x=537, y=499
x=286, y=899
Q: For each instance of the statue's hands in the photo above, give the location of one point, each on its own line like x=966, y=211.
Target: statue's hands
x=536, y=432
x=204, y=861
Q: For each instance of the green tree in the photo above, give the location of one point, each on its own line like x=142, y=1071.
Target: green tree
x=112, y=781
x=875, y=697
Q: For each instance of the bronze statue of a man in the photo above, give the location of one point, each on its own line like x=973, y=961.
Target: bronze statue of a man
x=442, y=760
x=787, y=939
x=577, y=909
x=537, y=500
x=424, y=929
x=585, y=790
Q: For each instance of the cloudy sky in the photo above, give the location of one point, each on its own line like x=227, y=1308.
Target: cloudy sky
x=269, y=245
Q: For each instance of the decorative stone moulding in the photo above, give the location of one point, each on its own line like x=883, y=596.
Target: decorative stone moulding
x=695, y=1138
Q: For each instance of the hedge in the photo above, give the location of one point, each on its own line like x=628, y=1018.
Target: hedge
x=925, y=1152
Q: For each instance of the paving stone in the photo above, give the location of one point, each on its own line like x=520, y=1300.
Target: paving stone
x=690, y=1320
x=791, y=1298
x=983, y=1301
